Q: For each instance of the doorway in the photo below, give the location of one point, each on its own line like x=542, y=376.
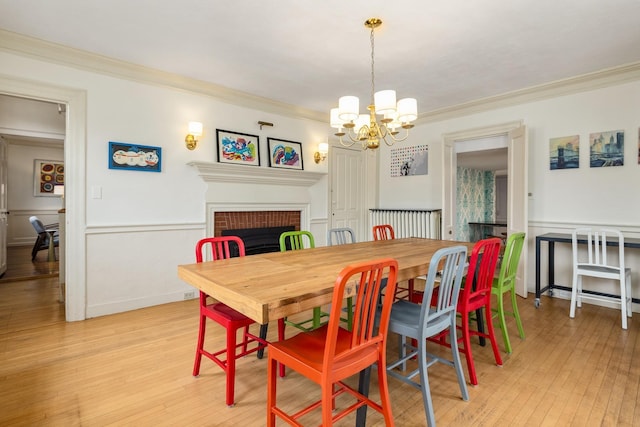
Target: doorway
x=517, y=188
x=75, y=176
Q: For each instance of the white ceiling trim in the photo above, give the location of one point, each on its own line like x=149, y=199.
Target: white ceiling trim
x=64, y=55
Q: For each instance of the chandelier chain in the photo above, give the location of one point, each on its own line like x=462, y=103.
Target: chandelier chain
x=373, y=89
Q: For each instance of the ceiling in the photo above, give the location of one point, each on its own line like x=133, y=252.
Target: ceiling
x=308, y=54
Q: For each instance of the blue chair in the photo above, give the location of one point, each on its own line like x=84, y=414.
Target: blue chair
x=420, y=321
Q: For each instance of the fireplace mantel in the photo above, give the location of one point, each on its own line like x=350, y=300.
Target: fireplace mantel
x=222, y=172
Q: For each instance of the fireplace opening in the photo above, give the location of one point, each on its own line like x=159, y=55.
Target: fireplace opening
x=259, y=240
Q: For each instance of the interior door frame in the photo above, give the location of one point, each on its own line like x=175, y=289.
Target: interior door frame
x=75, y=181
x=449, y=162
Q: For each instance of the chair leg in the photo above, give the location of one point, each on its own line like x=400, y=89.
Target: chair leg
x=231, y=365
x=457, y=364
x=199, y=346
x=424, y=382
x=492, y=336
x=516, y=313
x=316, y=317
x=383, y=385
x=502, y=323
x=574, y=295
x=466, y=339
x=271, y=392
x=327, y=403
x=350, y=313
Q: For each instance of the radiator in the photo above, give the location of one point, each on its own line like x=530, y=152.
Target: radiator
x=409, y=223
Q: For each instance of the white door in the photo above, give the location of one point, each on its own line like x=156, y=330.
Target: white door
x=347, y=196
x=517, y=199
x=517, y=217
x=3, y=207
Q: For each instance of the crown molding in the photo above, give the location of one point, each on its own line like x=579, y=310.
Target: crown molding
x=67, y=56
x=582, y=83
x=76, y=58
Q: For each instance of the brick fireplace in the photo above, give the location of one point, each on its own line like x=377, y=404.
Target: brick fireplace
x=232, y=220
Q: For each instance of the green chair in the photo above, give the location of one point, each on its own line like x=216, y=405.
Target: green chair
x=506, y=282
x=292, y=241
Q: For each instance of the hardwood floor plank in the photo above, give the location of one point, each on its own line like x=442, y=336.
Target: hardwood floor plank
x=134, y=368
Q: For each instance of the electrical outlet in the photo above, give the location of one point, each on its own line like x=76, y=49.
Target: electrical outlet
x=189, y=295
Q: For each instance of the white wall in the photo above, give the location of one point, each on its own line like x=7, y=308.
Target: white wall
x=141, y=225
x=560, y=199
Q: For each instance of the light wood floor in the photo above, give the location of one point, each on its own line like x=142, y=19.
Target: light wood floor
x=135, y=369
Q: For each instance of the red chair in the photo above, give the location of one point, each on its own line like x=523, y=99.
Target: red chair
x=476, y=295
x=230, y=319
x=330, y=354
x=385, y=232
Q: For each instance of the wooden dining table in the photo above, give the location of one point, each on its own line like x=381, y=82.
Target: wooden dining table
x=270, y=286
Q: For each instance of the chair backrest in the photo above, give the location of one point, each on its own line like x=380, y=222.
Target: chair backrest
x=446, y=268
x=365, y=282
x=37, y=224
x=510, y=259
x=219, y=248
x=383, y=232
x=340, y=236
x=596, y=254
x=294, y=240
x=481, y=271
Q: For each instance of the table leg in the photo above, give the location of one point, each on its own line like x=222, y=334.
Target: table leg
x=263, y=334
x=363, y=387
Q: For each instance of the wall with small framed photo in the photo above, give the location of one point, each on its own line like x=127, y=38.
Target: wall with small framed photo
x=47, y=174
x=238, y=148
x=284, y=154
x=134, y=157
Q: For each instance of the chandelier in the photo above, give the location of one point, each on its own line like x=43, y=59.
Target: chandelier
x=364, y=128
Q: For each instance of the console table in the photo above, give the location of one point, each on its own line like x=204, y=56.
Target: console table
x=552, y=239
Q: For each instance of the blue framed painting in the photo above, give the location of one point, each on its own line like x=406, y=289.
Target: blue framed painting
x=238, y=148
x=285, y=154
x=134, y=157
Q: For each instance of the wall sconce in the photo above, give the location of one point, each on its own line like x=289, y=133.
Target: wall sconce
x=195, y=130
x=321, y=154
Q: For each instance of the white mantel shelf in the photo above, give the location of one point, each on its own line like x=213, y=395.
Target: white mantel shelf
x=225, y=172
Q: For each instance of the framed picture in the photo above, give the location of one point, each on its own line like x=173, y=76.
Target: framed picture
x=564, y=152
x=407, y=161
x=134, y=157
x=236, y=147
x=285, y=154
x=47, y=174
x=606, y=149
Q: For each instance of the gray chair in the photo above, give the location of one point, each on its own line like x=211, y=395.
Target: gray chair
x=42, y=241
x=340, y=236
x=420, y=321
x=343, y=236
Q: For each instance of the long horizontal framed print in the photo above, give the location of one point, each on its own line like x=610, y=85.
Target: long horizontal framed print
x=238, y=148
x=47, y=174
x=134, y=157
x=285, y=154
